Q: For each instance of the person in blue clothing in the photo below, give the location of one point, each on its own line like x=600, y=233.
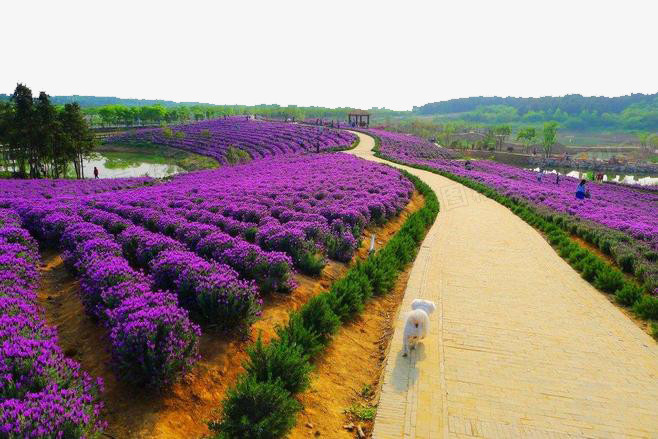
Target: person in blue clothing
x=581, y=192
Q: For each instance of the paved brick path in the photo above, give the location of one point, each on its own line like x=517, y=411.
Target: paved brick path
x=520, y=345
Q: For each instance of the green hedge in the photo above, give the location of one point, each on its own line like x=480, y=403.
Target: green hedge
x=593, y=268
x=262, y=403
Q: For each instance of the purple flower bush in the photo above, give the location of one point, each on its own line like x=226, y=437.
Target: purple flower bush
x=259, y=139
x=213, y=291
x=152, y=340
x=42, y=393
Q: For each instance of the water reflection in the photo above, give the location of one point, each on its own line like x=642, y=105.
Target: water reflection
x=118, y=165
x=642, y=180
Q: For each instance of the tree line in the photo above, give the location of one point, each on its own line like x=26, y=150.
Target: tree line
x=570, y=104
x=125, y=115
x=640, y=116
x=38, y=139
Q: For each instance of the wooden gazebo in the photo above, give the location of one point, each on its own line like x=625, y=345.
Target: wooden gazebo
x=357, y=117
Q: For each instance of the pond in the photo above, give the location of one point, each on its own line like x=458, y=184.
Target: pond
x=642, y=180
x=112, y=164
x=114, y=161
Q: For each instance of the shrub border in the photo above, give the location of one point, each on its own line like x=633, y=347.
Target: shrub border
x=596, y=270
x=309, y=330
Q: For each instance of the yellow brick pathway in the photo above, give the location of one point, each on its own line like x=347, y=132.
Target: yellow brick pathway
x=520, y=345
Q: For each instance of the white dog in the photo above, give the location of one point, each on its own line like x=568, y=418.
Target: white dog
x=417, y=325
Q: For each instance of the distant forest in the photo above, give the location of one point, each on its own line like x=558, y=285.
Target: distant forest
x=637, y=112
x=570, y=104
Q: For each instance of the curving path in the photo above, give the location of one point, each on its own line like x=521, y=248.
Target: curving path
x=520, y=345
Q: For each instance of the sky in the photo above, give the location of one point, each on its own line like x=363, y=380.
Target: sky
x=357, y=53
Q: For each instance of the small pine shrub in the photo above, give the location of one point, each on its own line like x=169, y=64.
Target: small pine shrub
x=577, y=255
x=568, y=248
x=348, y=295
x=311, y=263
x=582, y=259
x=609, y=280
x=647, y=307
x=250, y=234
x=235, y=156
x=403, y=249
x=628, y=294
x=591, y=268
x=626, y=262
x=295, y=333
x=256, y=410
x=279, y=361
x=319, y=318
x=555, y=237
x=381, y=270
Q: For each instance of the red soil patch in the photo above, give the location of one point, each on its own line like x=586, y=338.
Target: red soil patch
x=182, y=410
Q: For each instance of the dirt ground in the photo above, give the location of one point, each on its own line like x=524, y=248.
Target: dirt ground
x=183, y=410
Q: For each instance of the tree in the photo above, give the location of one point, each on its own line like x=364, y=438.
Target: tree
x=447, y=133
x=77, y=138
x=22, y=130
x=653, y=141
x=502, y=132
x=643, y=137
x=47, y=137
x=527, y=136
x=549, y=137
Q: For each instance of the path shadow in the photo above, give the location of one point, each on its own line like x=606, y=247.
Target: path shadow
x=405, y=373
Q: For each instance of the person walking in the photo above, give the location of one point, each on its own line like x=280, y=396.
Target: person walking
x=95, y=172
x=581, y=192
x=557, y=178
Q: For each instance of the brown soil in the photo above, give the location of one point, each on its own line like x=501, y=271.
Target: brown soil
x=182, y=411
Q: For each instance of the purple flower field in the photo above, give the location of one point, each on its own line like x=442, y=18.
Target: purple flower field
x=158, y=261
x=614, y=206
x=258, y=138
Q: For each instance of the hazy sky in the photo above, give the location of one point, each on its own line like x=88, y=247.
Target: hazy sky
x=329, y=53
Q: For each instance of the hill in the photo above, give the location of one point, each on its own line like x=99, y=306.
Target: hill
x=570, y=104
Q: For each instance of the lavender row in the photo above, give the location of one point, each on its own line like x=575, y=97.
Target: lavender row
x=271, y=270
x=42, y=393
x=211, y=291
x=301, y=205
x=53, y=189
x=152, y=340
x=258, y=138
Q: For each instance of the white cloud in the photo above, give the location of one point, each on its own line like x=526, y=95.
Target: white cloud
x=337, y=53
